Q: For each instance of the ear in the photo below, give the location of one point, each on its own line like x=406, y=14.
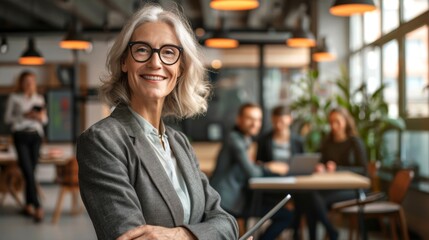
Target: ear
x=124, y=66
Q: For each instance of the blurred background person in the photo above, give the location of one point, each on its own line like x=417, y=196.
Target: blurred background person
x=139, y=178
x=341, y=150
x=26, y=113
x=279, y=145
x=235, y=167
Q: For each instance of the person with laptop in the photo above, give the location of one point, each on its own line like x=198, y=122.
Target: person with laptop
x=341, y=150
x=280, y=144
x=235, y=167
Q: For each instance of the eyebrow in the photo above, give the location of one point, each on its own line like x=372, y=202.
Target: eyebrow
x=151, y=45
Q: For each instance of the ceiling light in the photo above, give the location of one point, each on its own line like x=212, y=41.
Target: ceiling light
x=74, y=39
x=301, y=37
x=31, y=56
x=234, y=5
x=4, y=47
x=349, y=7
x=220, y=38
x=322, y=53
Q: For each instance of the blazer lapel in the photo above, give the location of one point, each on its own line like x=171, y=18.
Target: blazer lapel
x=191, y=177
x=151, y=163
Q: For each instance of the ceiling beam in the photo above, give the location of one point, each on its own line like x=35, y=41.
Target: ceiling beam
x=14, y=17
x=91, y=13
x=42, y=10
x=124, y=7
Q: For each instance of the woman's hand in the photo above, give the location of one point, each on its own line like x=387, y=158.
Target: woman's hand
x=320, y=168
x=280, y=168
x=35, y=115
x=331, y=166
x=150, y=232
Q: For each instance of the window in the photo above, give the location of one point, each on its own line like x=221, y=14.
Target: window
x=355, y=32
x=372, y=69
x=416, y=79
x=413, y=8
x=355, y=71
x=390, y=15
x=415, y=150
x=371, y=23
x=390, y=76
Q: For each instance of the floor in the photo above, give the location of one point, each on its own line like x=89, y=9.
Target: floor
x=15, y=226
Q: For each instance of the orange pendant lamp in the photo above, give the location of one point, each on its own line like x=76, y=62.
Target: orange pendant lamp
x=322, y=53
x=234, y=5
x=345, y=8
x=74, y=39
x=31, y=56
x=221, y=40
x=301, y=38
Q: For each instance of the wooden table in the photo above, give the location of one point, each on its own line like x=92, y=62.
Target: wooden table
x=317, y=181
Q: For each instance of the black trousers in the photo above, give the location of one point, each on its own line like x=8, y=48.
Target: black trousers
x=27, y=145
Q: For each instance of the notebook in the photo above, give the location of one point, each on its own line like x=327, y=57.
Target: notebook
x=303, y=164
x=265, y=218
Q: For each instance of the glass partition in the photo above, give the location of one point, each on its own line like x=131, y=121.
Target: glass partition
x=390, y=76
x=390, y=15
x=416, y=71
x=413, y=8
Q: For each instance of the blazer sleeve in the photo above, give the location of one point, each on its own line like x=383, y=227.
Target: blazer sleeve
x=239, y=154
x=216, y=223
x=104, y=182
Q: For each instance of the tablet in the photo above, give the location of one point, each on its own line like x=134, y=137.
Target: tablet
x=265, y=218
x=303, y=164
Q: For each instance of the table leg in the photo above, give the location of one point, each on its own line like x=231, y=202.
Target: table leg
x=361, y=215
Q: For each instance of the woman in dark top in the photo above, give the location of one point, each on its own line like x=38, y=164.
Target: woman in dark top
x=279, y=145
x=341, y=150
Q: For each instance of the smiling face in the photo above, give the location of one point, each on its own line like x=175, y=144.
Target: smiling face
x=280, y=123
x=28, y=84
x=152, y=80
x=337, y=123
x=250, y=121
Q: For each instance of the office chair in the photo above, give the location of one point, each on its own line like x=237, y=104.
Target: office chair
x=373, y=208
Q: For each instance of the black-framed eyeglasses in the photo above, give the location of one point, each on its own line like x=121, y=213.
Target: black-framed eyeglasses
x=142, y=52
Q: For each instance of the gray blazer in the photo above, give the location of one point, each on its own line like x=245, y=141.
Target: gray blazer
x=123, y=185
x=232, y=172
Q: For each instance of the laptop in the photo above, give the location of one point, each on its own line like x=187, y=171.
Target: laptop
x=265, y=218
x=303, y=164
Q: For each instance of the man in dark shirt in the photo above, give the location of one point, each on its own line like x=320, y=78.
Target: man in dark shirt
x=234, y=167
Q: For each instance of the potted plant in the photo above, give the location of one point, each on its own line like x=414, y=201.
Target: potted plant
x=370, y=112
x=310, y=111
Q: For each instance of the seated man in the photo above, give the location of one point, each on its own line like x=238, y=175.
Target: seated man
x=234, y=167
x=279, y=145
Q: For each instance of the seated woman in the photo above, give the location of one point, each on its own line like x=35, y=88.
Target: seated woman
x=341, y=150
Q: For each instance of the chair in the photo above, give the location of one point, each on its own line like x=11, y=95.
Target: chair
x=67, y=177
x=12, y=182
x=390, y=209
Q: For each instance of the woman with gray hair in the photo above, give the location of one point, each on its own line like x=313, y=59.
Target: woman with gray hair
x=140, y=179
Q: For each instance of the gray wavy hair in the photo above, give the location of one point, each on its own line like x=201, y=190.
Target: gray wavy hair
x=189, y=97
